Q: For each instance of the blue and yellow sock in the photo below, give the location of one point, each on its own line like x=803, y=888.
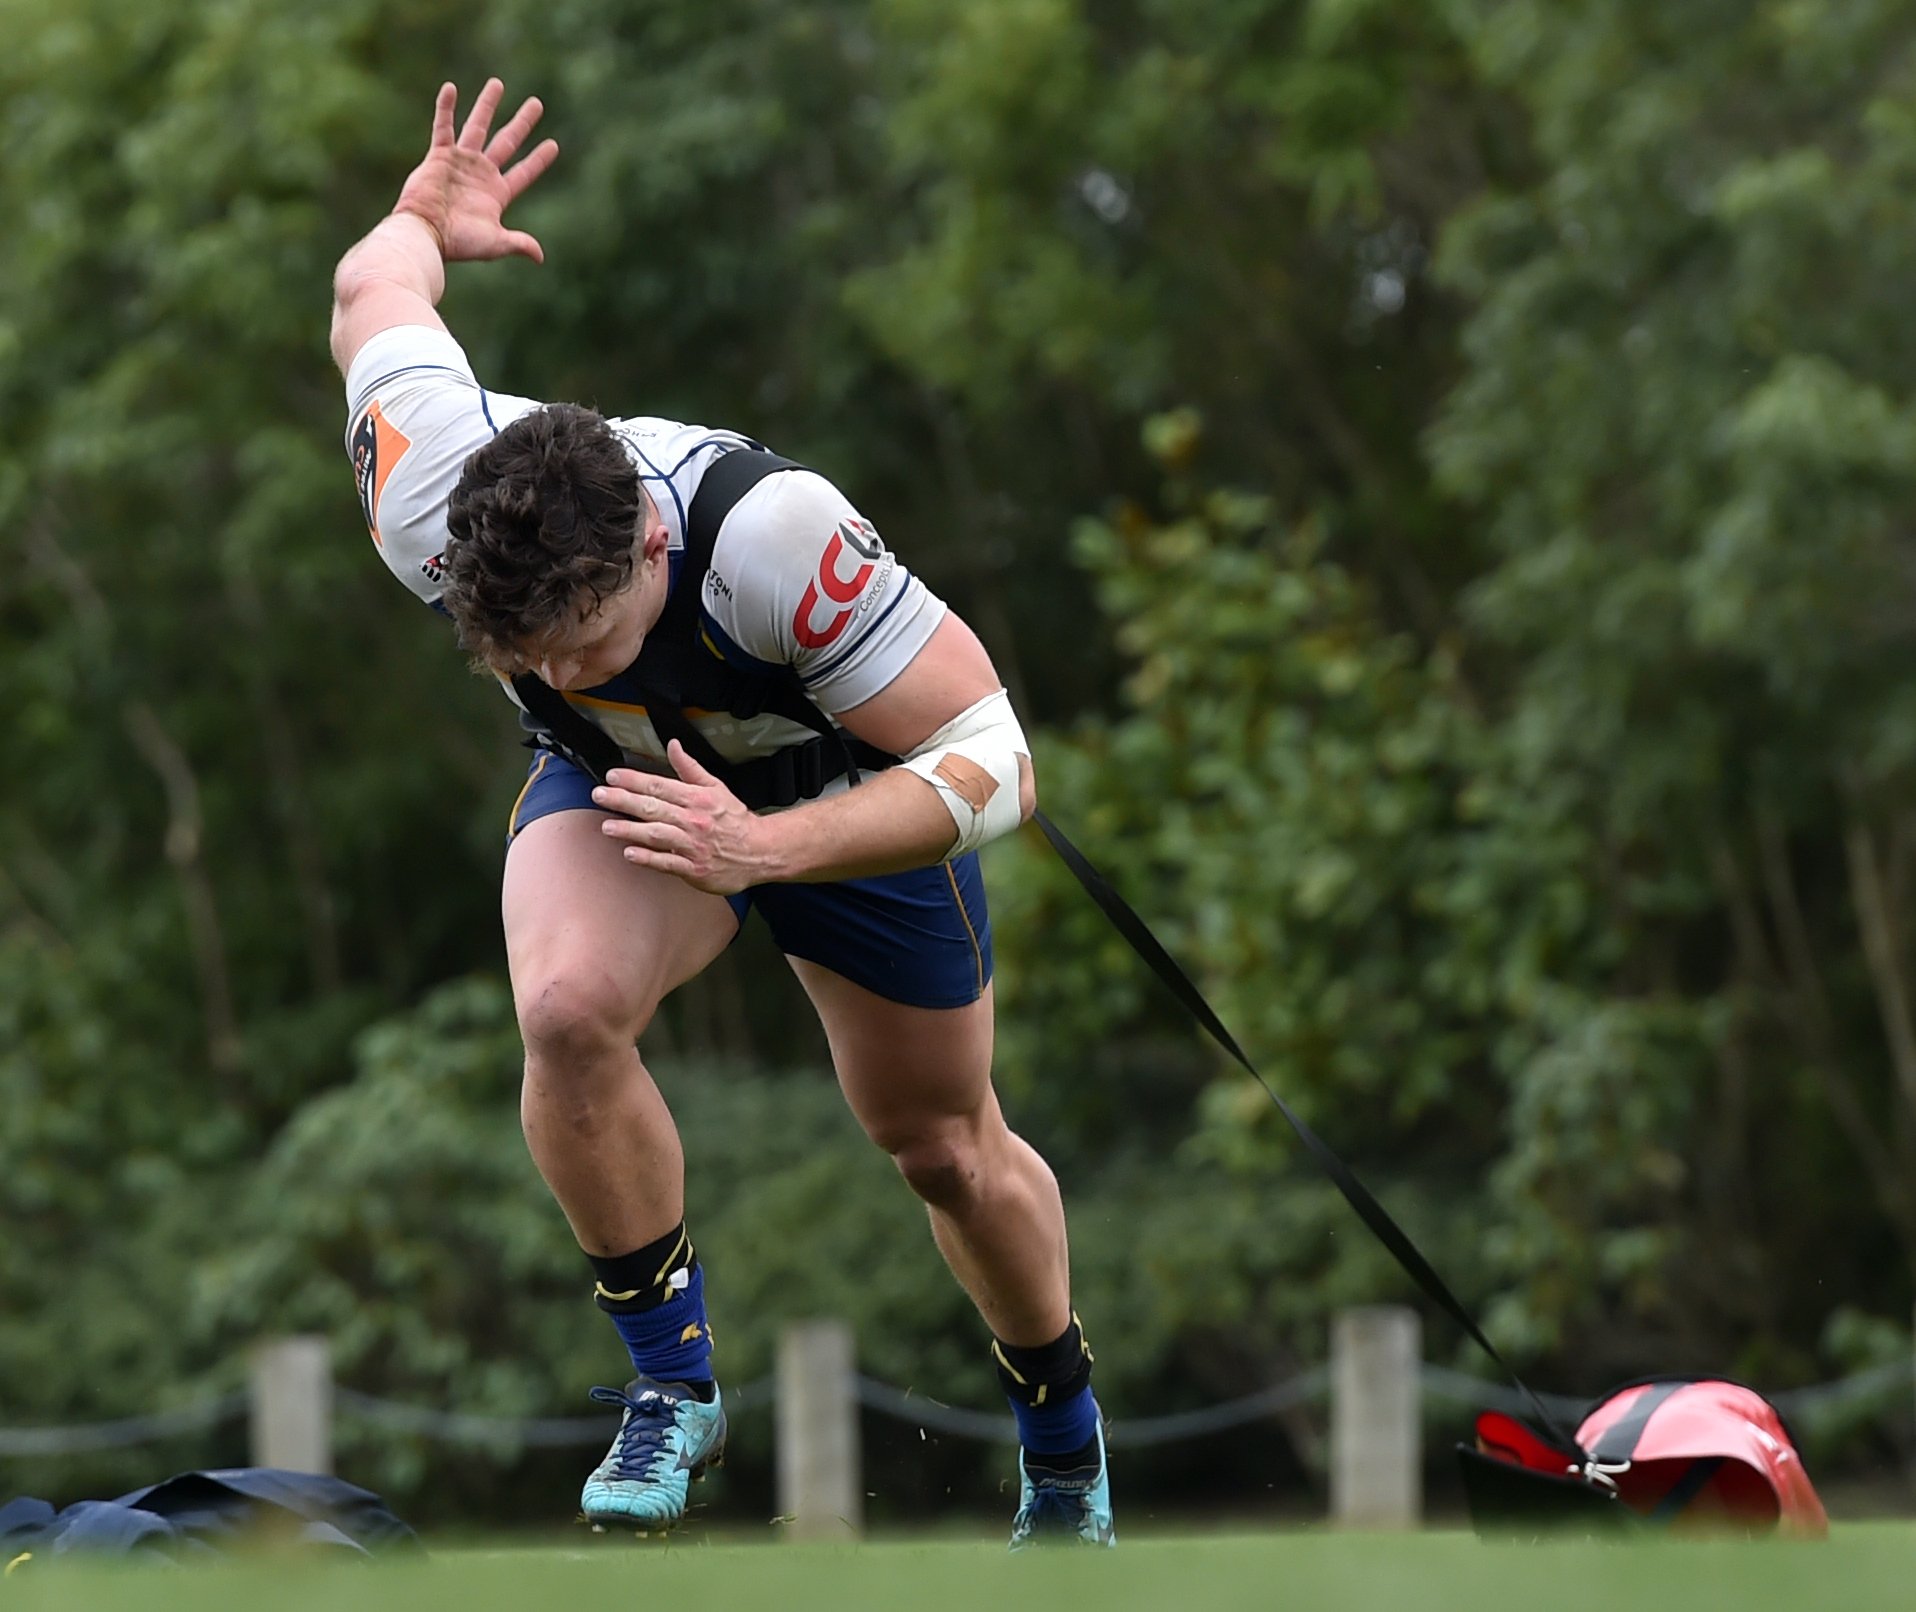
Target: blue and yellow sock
x=656, y=1298
x=1050, y=1392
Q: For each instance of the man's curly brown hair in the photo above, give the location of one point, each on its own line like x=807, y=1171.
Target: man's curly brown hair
x=544, y=516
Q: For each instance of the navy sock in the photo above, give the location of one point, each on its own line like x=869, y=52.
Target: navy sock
x=656, y=1298
x=672, y=1342
x=1050, y=1392
x=1068, y=1426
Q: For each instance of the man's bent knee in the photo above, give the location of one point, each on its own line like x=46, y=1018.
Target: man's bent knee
x=943, y=1169
x=571, y=1022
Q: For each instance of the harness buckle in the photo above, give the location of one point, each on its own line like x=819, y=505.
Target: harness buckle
x=809, y=775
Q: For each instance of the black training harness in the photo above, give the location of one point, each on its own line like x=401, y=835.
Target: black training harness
x=680, y=667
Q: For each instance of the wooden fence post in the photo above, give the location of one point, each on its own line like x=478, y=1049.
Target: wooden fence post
x=820, y=1486
x=1376, y=1418
x=292, y=1410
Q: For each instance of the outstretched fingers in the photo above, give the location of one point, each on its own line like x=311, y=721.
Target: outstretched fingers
x=508, y=140
x=442, y=109
x=520, y=178
x=517, y=241
x=473, y=136
x=459, y=188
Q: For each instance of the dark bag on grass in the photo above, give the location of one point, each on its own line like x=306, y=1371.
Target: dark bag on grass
x=1688, y=1453
x=200, y=1514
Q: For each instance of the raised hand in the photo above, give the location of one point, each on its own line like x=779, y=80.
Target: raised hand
x=463, y=187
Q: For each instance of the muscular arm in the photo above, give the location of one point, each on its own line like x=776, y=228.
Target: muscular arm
x=394, y=276
x=693, y=827
x=894, y=820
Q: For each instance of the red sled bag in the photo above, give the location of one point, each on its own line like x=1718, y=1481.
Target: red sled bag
x=1685, y=1453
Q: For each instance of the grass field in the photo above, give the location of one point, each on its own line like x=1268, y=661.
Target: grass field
x=1861, y=1569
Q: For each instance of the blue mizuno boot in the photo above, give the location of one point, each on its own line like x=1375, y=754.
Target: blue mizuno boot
x=1065, y=1507
x=667, y=1439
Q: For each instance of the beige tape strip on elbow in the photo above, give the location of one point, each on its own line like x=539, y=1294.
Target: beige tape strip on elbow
x=972, y=761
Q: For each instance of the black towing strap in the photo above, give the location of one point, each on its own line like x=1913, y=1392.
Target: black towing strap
x=1374, y=1215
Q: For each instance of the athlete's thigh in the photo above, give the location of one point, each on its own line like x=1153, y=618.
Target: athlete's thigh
x=903, y=1069
x=578, y=915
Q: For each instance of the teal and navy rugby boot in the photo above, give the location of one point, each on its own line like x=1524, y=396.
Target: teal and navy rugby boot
x=1066, y=1508
x=667, y=1439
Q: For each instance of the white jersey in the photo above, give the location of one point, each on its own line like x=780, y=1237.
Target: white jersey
x=798, y=577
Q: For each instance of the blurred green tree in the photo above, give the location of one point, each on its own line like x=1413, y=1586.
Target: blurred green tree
x=1686, y=426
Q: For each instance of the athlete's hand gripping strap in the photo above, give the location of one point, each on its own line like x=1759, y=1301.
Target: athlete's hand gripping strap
x=972, y=761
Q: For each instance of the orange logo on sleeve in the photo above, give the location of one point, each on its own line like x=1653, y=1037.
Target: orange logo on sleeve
x=378, y=446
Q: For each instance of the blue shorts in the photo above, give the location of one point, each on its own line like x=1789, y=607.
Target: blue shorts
x=922, y=938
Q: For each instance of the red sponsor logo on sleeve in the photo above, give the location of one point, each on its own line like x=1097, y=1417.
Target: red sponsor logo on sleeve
x=840, y=590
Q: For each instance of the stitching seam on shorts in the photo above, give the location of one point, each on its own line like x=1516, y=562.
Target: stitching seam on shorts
x=977, y=951
x=512, y=822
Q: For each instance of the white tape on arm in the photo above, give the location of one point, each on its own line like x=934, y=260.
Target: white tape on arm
x=972, y=761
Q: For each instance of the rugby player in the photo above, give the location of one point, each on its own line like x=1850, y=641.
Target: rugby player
x=553, y=536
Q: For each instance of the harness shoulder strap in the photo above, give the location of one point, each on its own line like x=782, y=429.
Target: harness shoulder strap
x=727, y=480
